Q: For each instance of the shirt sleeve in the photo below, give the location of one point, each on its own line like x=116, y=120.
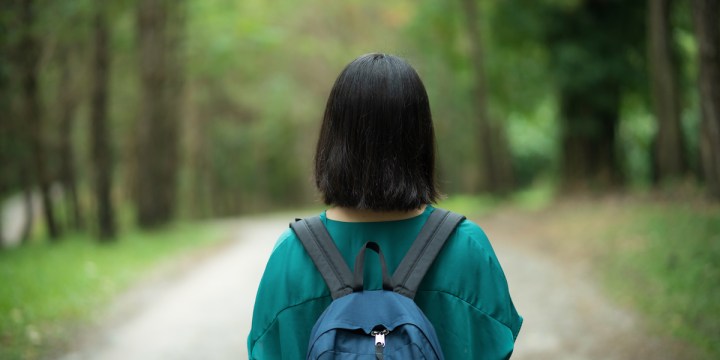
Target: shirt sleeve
x=492, y=281
x=468, y=300
x=263, y=340
x=287, y=303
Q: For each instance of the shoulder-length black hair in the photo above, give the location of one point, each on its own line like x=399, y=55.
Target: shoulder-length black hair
x=376, y=149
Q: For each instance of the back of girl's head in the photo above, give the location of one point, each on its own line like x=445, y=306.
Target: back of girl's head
x=376, y=149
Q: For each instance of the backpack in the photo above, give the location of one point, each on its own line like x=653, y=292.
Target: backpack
x=379, y=324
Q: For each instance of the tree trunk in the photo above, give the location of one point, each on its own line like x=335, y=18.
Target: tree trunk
x=669, y=151
x=15, y=138
x=6, y=125
x=159, y=25
x=706, y=14
x=199, y=166
x=30, y=47
x=496, y=170
x=100, y=140
x=588, y=137
x=29, y=211
x=68, y=101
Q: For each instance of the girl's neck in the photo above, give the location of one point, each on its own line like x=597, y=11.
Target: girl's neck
x=354, y=215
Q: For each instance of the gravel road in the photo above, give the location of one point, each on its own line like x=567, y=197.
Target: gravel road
x=205, y=312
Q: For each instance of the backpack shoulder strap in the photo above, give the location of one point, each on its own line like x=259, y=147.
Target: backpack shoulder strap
x=422, y=253
x=325, y=254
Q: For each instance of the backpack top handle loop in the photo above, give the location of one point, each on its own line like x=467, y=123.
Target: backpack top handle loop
x=360, y=268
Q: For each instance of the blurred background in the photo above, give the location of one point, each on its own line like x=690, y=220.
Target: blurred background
x=138, y=123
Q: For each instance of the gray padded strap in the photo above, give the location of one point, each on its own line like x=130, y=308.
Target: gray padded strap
x=424, y=250
x=325, y=254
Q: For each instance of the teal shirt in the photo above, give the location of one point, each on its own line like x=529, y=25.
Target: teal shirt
x=464, y=294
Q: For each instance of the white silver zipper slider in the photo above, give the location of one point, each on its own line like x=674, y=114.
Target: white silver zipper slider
x=379, y=342
x=379, y=337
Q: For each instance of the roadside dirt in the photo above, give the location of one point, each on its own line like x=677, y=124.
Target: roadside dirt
x=556, y=288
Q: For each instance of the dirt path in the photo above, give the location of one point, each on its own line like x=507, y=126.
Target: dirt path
x=205, y=313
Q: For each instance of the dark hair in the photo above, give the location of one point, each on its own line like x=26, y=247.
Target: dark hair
x=376, y=149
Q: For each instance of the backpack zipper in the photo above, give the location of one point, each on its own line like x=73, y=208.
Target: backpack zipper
x=379, y=342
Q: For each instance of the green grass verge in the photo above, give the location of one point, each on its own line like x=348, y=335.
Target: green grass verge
x=659, y=256
x=49, y=290
x=471, y=206
x=474, y=206
x=664, y=259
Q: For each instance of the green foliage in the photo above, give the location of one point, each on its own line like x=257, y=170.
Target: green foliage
x=597, y=43
x=664, y=260
x=51, y=290
x=257, y=77
x=687, y=55
x=636, y=132
x=534, y=142
x=517, y=60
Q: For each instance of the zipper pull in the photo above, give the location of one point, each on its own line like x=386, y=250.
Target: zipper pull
x=380, y=339
x=379, y=342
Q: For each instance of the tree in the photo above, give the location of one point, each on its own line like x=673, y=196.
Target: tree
x=31, y=110
x=707, y=32
x=159, y=29
x=7, y=133
x=669, y=151
x=100, y=139
x=67, y=104
x=496, y=172
x=71, y=44
x=592, y=45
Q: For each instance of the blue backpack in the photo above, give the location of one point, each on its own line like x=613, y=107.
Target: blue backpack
x=380, y=324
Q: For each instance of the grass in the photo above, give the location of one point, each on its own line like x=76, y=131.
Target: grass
x=474, y=206
x=50, y=290
x=663, y=258
x=471, y=206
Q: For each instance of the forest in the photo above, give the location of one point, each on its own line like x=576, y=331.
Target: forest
x=157, y=110
x=135, y=131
